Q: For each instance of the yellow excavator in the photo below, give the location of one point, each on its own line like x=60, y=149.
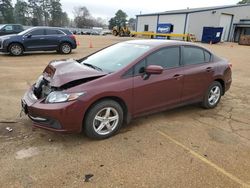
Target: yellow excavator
x=121, y=31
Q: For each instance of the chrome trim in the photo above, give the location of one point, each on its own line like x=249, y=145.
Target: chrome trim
x=37, y=118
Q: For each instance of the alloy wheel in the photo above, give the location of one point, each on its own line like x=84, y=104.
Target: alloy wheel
x=16, y=50
x=214, y=95
x=66, y=48
x=105, y=121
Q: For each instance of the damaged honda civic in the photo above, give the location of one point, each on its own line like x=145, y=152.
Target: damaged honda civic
x=99, y=93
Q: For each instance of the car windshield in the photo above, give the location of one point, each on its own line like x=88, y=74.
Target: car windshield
x=115, y=57
x=25, y=31
x=1, y=26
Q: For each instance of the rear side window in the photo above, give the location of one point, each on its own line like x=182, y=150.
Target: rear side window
x=17, y=28
x=193, y=55
x=167, y=57
x=37, y=32
x=207, y=56
x=66, y=31
x=53, y=32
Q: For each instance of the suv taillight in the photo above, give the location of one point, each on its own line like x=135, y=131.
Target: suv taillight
x=73, y=37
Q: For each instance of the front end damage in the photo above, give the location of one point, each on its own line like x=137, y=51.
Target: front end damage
x=59, y=116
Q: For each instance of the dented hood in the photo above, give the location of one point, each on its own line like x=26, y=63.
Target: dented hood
x=62, y=72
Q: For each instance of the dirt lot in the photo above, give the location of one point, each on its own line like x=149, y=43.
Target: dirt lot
x=186, y=147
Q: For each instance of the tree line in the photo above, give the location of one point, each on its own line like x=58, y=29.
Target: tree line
x=33, y=12
x=45, y=13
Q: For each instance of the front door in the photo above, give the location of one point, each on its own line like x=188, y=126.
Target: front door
x=158, y=91
x=35, y=40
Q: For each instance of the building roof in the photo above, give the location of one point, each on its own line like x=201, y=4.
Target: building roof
x=192, y=10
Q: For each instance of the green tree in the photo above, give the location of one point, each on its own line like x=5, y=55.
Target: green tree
x=244, y=2
x=21, y=12
x=56, y=13
x=132, y=23
x=82, y=16
x=45, y=6
x=120, y=19
x=36, y=11
x=6, y=11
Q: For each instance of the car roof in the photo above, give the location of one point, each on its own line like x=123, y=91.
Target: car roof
x=158, y=42
x=46, y=27
x=162, y=42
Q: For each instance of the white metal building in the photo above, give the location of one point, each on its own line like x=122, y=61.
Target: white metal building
x=193, y=20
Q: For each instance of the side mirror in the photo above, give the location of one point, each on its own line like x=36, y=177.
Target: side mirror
x=28, y=36
x=152, y=69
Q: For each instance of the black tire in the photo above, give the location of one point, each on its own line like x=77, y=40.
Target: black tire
x=207, y=102
x=121, y=34
x=65, y=48
x=115, y=33
x=92, y=123
x=15, y=49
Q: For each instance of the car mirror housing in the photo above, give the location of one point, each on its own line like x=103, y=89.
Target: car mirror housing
x=154, y=69
x=28, y=35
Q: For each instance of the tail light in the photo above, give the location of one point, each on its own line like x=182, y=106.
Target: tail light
x=73, y=37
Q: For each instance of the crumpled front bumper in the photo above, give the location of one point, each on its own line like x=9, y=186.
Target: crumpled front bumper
x=59, y=117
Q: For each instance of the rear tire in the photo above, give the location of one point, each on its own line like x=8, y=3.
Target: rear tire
x=16, y=49
x=115, y=33
x=103, y=120
x=212, y=96
x=65, y=48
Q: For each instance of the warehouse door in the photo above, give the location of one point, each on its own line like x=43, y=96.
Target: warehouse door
x=225, y=22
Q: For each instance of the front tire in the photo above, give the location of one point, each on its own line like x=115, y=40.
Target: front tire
x=103, y=120
x=65, y=48
x=16, y=49
x=213, y=95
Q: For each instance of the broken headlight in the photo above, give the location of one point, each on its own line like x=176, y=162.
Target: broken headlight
x=60, y=96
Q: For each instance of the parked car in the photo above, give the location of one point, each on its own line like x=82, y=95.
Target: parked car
x=39, y=39
x=100, y=92
x=7, y=29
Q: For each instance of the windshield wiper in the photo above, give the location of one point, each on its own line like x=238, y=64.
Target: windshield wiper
x=93, y=66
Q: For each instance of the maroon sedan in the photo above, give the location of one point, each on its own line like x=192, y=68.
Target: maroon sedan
x=100, y=92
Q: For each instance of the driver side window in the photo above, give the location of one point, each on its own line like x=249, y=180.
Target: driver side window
x=167, y=58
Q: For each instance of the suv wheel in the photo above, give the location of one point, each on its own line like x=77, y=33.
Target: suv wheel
x=213, y=95
x=65, y=48
x=16, y=49
x=103, y=120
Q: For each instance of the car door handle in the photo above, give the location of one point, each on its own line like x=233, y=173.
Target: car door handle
x=177, y=76
x=209, y=69
x=41, y=38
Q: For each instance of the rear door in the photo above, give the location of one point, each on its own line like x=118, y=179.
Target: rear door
x=53, y=37
x=158, y=91
x=35, y=40
x=198, y=74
